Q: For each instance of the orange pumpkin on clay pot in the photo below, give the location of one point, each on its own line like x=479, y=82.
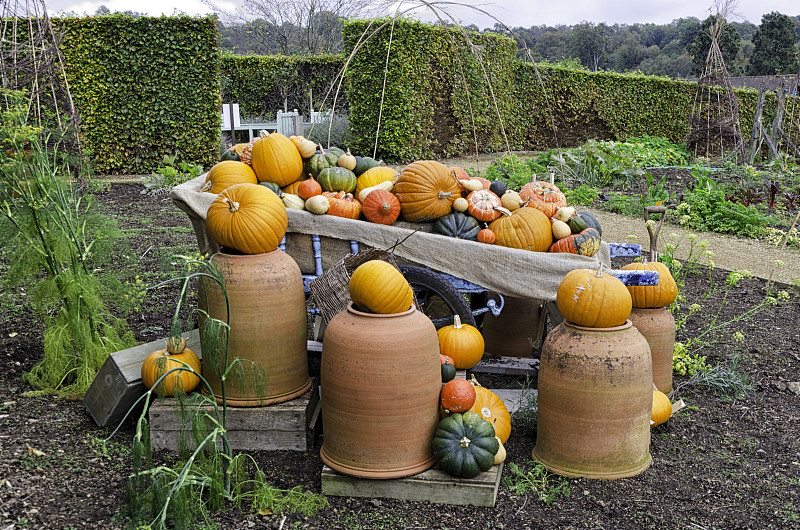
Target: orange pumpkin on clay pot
x=593, y=299
x=543, y=196
x=381, y=206
x=653, y=296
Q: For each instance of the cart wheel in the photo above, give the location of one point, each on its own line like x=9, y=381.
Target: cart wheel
x=436, y=297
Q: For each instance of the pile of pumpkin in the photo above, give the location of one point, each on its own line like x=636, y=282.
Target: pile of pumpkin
x=475, y=422
x=333, y=182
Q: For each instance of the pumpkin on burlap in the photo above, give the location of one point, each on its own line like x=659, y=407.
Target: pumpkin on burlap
x=524, y=228
x=248, y=218
x=426, y=191
x=276, y=159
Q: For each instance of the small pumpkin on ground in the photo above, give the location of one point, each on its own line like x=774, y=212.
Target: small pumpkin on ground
x=462, y=342
x=500, y=457
x=381, y=207
x=160, y=362
x=378, y=287
x=458, y=395
x=248, y=218
x=593, y=299
x=464, y=445
x=662, y=408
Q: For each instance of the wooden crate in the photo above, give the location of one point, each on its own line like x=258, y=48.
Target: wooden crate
x=433, y=485
x=118, y=383
x=282, y=426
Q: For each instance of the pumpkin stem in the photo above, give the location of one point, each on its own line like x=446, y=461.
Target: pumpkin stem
x=445, y=194
x=456, y=321
x=599, y=271
x=232, y=205
x=464, y=442
x=387, y=206
x=504, y=211
x=206, y=185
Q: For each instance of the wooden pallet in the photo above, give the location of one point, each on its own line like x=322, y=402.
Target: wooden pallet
x=433, y=485
x=288, y=426
x=118, y=383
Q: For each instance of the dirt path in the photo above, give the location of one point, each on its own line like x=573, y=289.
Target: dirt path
x=730, y=252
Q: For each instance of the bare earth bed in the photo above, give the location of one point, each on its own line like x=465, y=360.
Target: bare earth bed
x=719, y=463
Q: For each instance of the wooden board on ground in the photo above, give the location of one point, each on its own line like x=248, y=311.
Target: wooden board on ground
x=288, y=426
x=118, y=383
x=433, y=485
x=507, y=366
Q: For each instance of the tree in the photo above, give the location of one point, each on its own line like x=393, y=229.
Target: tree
x=729, y=43
x=774, y=51
x=301, y=27
x=588, y=42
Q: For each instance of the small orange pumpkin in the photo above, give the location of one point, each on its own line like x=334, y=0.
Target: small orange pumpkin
x=381, y=207
x=308, y=188
x=543, y=196
x=343, y=204
x=662, y=408
x=486, y=236
x=462, y=342
x=457, y=395
x=160, y=362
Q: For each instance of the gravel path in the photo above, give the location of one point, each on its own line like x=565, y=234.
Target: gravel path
x=730, y=252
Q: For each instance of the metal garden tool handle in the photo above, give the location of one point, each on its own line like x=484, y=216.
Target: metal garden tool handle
x=654, y=233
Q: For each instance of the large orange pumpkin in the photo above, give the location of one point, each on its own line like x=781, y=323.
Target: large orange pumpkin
x=227, y=173
x=247, y=217
x=543, y=196
x=276, y=159
x=426, y=191
x=492, y=409
x=593, y=299
x=653, y=296
x=524, y=228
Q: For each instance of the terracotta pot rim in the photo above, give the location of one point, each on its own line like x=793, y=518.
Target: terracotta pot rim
x=626, y=325
x=650, y=308
x=351, y=309
x=245, y=256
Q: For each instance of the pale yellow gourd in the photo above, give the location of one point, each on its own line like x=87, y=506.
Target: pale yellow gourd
x=318, y=204
x=461, y=204
x=560, y=229
x=385, y=185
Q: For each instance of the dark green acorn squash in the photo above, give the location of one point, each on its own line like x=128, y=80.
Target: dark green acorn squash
x=273, y=187
x=337, y=179
x=319, y=161
x=498, y=187
x=464, y=445
x=457, y=225
x=448, y=372
x=591, y=222
x=230, y=154
x=576, y=224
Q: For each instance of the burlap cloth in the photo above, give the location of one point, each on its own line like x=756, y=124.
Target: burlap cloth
x=511, y=272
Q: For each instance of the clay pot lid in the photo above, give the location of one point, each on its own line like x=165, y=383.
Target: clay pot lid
x=351, y=309
x=626, y=325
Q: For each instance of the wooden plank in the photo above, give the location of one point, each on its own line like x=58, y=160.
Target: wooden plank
x=507, y=365
x=118, y=383
x=433, y=485
x=288, y=426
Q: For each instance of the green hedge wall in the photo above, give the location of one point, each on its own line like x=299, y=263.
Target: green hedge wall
x=426, y=112
x=144, y=88
x=261, y=84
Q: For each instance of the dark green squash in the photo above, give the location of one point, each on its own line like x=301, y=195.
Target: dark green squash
x=587, y=243
x=464, y=445
x=591, y=222
x=576, y=224
x=457, y=225
x=337, y=179
x=448, y=372
x=273, y=187
x=335, y=151
x=230, y=154
x=319, y=161
x=498, y=187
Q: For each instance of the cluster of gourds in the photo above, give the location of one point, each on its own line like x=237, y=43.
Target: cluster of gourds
x=597, y=300
x=334, y=182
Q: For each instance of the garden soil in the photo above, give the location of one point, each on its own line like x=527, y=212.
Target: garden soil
x=721, y=462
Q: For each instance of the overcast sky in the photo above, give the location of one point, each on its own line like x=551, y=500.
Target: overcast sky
x=513, y=13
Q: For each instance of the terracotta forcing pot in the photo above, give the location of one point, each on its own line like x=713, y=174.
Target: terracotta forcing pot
x=268, y=326
x=511, y=332
x=595, y=400
x=380, y=380
x=658, y=327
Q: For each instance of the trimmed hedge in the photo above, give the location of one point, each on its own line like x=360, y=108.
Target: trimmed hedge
x=145, y=88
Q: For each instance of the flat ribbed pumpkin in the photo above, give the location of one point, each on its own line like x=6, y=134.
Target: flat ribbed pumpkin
x=524, y=228
x=492, y=409
x=381, y=207
x=227, y=173
x=276, y=159
x=543, y=196
x=593, y=299
x=248, y=218
x=426, y=191
x=653, y=296
x=378, y=286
